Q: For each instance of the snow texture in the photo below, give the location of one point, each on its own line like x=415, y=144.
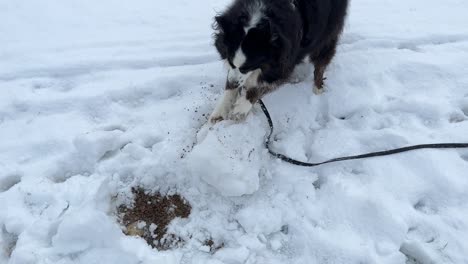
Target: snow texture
x=97, y=97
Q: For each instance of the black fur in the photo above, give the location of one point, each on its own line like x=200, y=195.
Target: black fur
x=288, y=31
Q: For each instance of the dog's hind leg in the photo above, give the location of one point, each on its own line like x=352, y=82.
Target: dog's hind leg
x=300, y=73
x=321, y=60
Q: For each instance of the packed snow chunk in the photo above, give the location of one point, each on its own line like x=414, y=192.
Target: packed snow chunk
x=260, y=219
x=415, y=251
x=94, y=146
x=82, y=230
x=233, y=255
x=229, y=156
x=8, y=179
x=98, y=256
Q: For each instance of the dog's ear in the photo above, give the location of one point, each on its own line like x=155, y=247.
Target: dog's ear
x=264, y=25
x=275, y=38
x=220, y=26
x=221, y=23
x=280, y=46
x=269, y=28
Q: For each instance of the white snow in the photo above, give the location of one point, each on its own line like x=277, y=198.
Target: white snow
x=97, y=97
x=232, y=168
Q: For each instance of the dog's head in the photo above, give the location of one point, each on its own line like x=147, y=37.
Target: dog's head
x=248, y=43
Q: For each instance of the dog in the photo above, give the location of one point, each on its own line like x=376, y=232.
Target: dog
x=262, y=41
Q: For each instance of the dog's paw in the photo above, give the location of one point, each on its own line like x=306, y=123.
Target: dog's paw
x=318, y=91
x=215, y=119
x=241, y=109
x=318, y=85
x=238, y=117
x=219, y=114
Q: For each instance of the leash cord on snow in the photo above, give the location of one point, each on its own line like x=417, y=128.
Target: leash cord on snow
x=355, y=157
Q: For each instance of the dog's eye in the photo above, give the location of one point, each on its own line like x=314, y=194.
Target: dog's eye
x=243, y=19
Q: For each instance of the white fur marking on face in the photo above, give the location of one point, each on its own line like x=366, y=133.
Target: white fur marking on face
x=234, y=75
x=256, y=9
x=239, y=58
x=254, y=20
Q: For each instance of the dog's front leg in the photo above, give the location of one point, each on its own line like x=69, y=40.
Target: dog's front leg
x=231, y=92
x=243, y=104
x=249, y=93
x=223, y=107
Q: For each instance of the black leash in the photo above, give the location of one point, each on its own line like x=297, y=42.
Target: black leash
x=355, y=157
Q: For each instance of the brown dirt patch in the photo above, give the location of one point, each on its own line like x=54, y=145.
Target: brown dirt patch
x=149, y=216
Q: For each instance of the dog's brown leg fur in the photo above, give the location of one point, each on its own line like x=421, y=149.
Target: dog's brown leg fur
x=321, y=60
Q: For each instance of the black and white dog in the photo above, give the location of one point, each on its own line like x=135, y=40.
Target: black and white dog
x=262, y=41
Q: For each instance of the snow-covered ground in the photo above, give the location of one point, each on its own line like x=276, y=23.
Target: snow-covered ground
x=97, y=97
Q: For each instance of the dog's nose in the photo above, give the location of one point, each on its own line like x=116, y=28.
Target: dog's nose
x=243, y=70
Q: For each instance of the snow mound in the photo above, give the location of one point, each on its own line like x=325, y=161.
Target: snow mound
x=227, y=158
